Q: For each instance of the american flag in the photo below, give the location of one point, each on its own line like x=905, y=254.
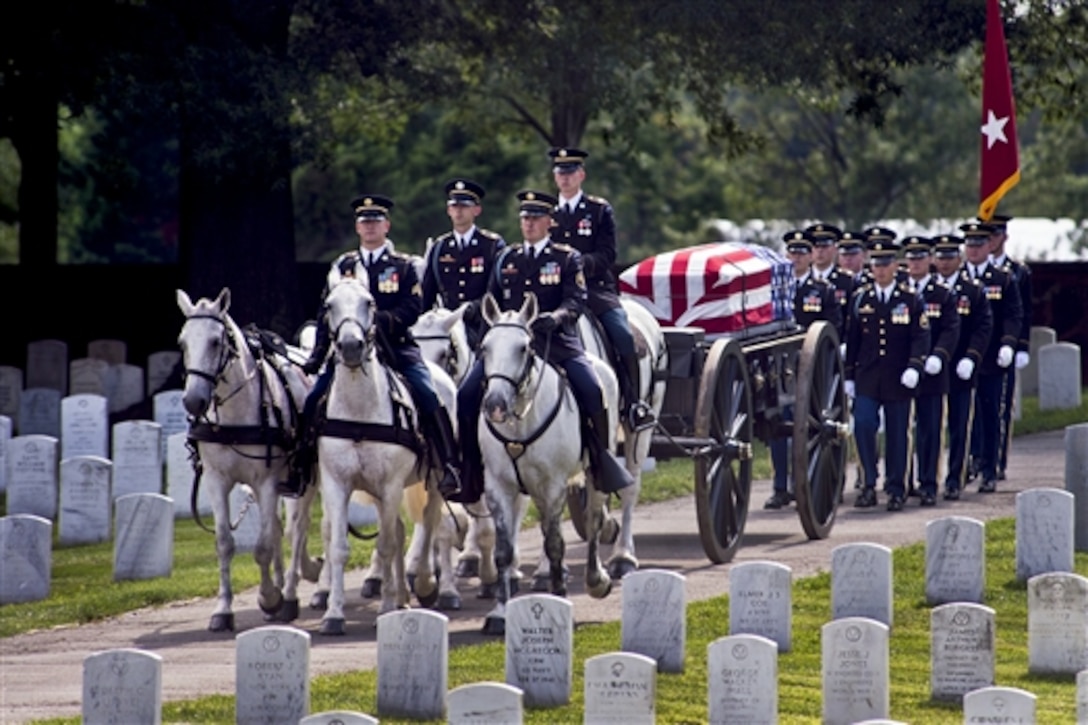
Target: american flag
x=725, y=287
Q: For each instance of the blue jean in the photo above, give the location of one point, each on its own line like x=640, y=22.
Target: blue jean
x=866, y=425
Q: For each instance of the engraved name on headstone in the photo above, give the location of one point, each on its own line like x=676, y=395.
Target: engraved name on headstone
x=26, y=558
x=1057, y=623
x=84, y=500
x=39, y=412
x=620, y=688
x=654, y=619
x=413, y=664
x=1005, y=705
x=272, y=675
x=137, y=457
x=11, y=387
x=742, y=680
x=955, y=560
x=1044, y=532
x=143, y=543
x=961, y=651
x=88, y=376
x=160, y=365
x=122, y=686
x=47, y=365
x=861, y=582
x=84, y=426
x=32, y=475
x=761, y=601
x=485, y=703
x=540, y=648
x=854, y=657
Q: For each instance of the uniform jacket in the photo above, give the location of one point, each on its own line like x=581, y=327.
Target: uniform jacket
x=1021, y=275
x=557, y=279
x=882, y=340
x=944, y=332
x=976, y=325
x=843, y=285
x=454, y=275
x=1004, y=298
x=591, y=229
x=814, y=299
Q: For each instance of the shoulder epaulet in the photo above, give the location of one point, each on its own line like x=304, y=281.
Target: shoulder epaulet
x=352, y=255
x=488, y=233
x=560, y=246
x=444, y=237
x=400, y=255
x=597, y=199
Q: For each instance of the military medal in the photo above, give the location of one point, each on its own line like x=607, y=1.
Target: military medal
x=900, y=315
x=993, y=292
x=476, y=265
x=811, y=303
x=585, y=227
x=963, y=305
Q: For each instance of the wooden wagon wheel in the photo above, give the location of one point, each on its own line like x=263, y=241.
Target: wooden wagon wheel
x=820, y=428
x=723, y=468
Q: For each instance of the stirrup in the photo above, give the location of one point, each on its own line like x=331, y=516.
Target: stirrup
x=450, y=483
x=640, y=417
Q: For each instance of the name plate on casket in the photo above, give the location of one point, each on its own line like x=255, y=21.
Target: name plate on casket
x=725, y=288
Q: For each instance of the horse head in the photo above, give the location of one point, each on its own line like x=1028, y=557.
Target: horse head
x=443, y=340
x=350, y=309
x=207, y=347
x=507, y=353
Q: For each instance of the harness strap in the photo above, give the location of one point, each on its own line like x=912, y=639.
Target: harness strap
x=239, y=435
x=377, y=432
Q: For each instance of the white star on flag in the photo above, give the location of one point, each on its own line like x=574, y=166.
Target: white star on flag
x=994, y=130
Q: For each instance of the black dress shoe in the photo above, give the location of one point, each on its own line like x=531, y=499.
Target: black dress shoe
x=928, y=499
x=866, y=499
x=895, y=503
x=1000, y=475
x=987, y=486
x=777, y=500
x=951, y=494
x=972, y=470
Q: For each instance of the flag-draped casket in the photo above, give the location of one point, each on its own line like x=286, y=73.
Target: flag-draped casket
x=725, y=288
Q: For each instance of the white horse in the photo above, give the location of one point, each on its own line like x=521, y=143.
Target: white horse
x=527, y=415
x=653, y=362
x=364, y=444
x=243, y=413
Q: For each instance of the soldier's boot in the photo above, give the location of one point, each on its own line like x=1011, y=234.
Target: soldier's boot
x=639, y=415
x=300, y=467
x=322, y=343
x=608, y=475
x=440, y=430
x=472, y=468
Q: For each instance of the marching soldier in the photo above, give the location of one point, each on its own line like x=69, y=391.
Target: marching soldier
x=887, y=342
x=976, y=323
x=824, y=238
x=1004, y=298
x=459, y=262
x=852, y=254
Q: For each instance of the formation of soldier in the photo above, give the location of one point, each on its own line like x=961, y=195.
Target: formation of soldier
x=937, y=335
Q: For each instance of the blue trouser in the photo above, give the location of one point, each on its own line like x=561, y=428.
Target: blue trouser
x=780, y=454
x=928, y=410
x=866, y=425
x=616, y=326
x=416, y=375
x=987, y=427
x=1006, y=418
x=959, y=423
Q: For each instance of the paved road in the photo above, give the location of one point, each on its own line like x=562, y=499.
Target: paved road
x=41, y=673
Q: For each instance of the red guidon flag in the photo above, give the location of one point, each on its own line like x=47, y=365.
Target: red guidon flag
x=999, y=168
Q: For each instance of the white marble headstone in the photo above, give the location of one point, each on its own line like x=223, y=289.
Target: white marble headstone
x=413, y=664
x=1076, y=480
x=32, y=476
x=11, y=387
x=26, y=558
x=84, y=426
x=143, y=542
x=88, y=376
x=861, y=582
x=122, y=686
x=485, y=703
x=654, y=619
x=39, y=412
x=961, y=652
x=955, y=560
x=1057, y=623
x=179, y=479
x=1029, y=376
x=114, y=352
x=540, y=648
x=272, y=675
x=1082, y=697
x=340, y=717
x=169, y=412
x=125, y=387
x=742, y=680
x=137, y=457
x=854, y=657
x=1006, y=705
x=84, y=500
x=245, y=512
x=1044, y=532
x=160, y=365
x=620, y=688
x=761, y=601
x=1059, y=376
x=5, y=436
x=47, y=365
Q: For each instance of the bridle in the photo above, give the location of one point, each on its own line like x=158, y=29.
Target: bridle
x=453, y=357
x=367, y=333
x=228, y=354
x=524, y=376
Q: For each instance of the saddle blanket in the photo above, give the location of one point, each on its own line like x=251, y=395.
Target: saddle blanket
x=723, y=288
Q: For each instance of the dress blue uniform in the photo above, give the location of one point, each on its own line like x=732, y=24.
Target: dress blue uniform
x=842, y=282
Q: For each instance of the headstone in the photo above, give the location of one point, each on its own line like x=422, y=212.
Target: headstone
x=122, y=686
x=179, y=479
x=272, y=675
x=1082, y=697
x=485, y=703
x=540, y=648
x=47, y=365
x=1076, y=480
x=246, y=513
x=961, y=651
x=1006, y=705
x=84, y=500
x=854, y=657
x=11, y=387
x=88, y=376
x=955, y=560
x=861, y=582
x=1059, y=376
x=32, y=476
x=1044, y=532
x=742, y=680
x=84, y=426
x=5, y=437
x=1057, y=623
x=1029, y=375
x=39, y=412
x=26, y=558
x=125, y=386
x=413, y=664
x=339, y=717
x=160, y=365
x=137, y=457
x=620, y=688
x=169, y=412
x=114, y=352
x=143, y=542
x=761, y=601
x=654, y=619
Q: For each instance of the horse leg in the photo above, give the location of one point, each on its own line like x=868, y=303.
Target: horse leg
x=334, y=499
x=623, y=560
x=297, y=513
x=598, y=582
x=468, y=562
x=390, y=548
x=504, y=519
x=451, y=530
x=320, y=598
x=222, y=619
x=521, y=508
x=426, y=587
x=554, y=547
x=269, y=552
x=480, y=515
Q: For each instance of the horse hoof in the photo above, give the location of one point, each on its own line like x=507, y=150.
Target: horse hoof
x=428, y=601
x=372, y=588
x=610, y=531
x=319, y=601
x=487, y=591
x=288, y=612
x=270, y=609
x=495, y=626
x=467, y=568
x=221, y=623
x=601, y=589
x=333, y=627
x=541, y=583
x=449, y=602
x=620, y=568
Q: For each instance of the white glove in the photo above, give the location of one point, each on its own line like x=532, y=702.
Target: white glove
x=964, y=368
x=1004, y=356
x=842, y=351
x=909, y=378
x=933, y=365
x=1022, y=360
x=850, y=388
